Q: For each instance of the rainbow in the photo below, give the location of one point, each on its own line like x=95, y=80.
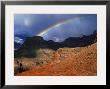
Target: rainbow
x=56, y=25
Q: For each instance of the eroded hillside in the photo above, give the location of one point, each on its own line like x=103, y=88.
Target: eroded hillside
x=79, y=61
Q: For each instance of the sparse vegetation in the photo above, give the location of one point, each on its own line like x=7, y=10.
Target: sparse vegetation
x=73, y=56
x=80, y=61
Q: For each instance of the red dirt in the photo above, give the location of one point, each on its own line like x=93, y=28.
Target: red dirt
x=69, y=62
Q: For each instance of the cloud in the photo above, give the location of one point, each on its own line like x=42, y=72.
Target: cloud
x=32, y=24
x=18, y=40
x=83, y=25
x=27, y=22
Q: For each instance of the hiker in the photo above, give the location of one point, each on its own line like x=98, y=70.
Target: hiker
x=17, y=62
x=20, y=66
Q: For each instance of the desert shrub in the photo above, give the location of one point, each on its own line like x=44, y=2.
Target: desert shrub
x=44, y=55
x=21, y=69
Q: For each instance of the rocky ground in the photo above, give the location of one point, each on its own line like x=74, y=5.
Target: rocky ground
x=79, y=61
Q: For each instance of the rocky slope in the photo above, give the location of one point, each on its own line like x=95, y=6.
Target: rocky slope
x=79, y=61
x=73, y=56
x=31, y=44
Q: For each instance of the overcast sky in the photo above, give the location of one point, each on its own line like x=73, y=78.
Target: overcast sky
x=55, y=27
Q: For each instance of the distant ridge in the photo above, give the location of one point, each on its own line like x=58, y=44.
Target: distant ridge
x=31, y=44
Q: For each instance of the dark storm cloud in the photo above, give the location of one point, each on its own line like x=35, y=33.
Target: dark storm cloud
x=37, y=22
x=80, y=26
x=32, y=24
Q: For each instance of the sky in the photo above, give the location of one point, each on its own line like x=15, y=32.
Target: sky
x=56, y=27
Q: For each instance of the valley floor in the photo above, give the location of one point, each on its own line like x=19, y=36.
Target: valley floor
x=80, y=61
